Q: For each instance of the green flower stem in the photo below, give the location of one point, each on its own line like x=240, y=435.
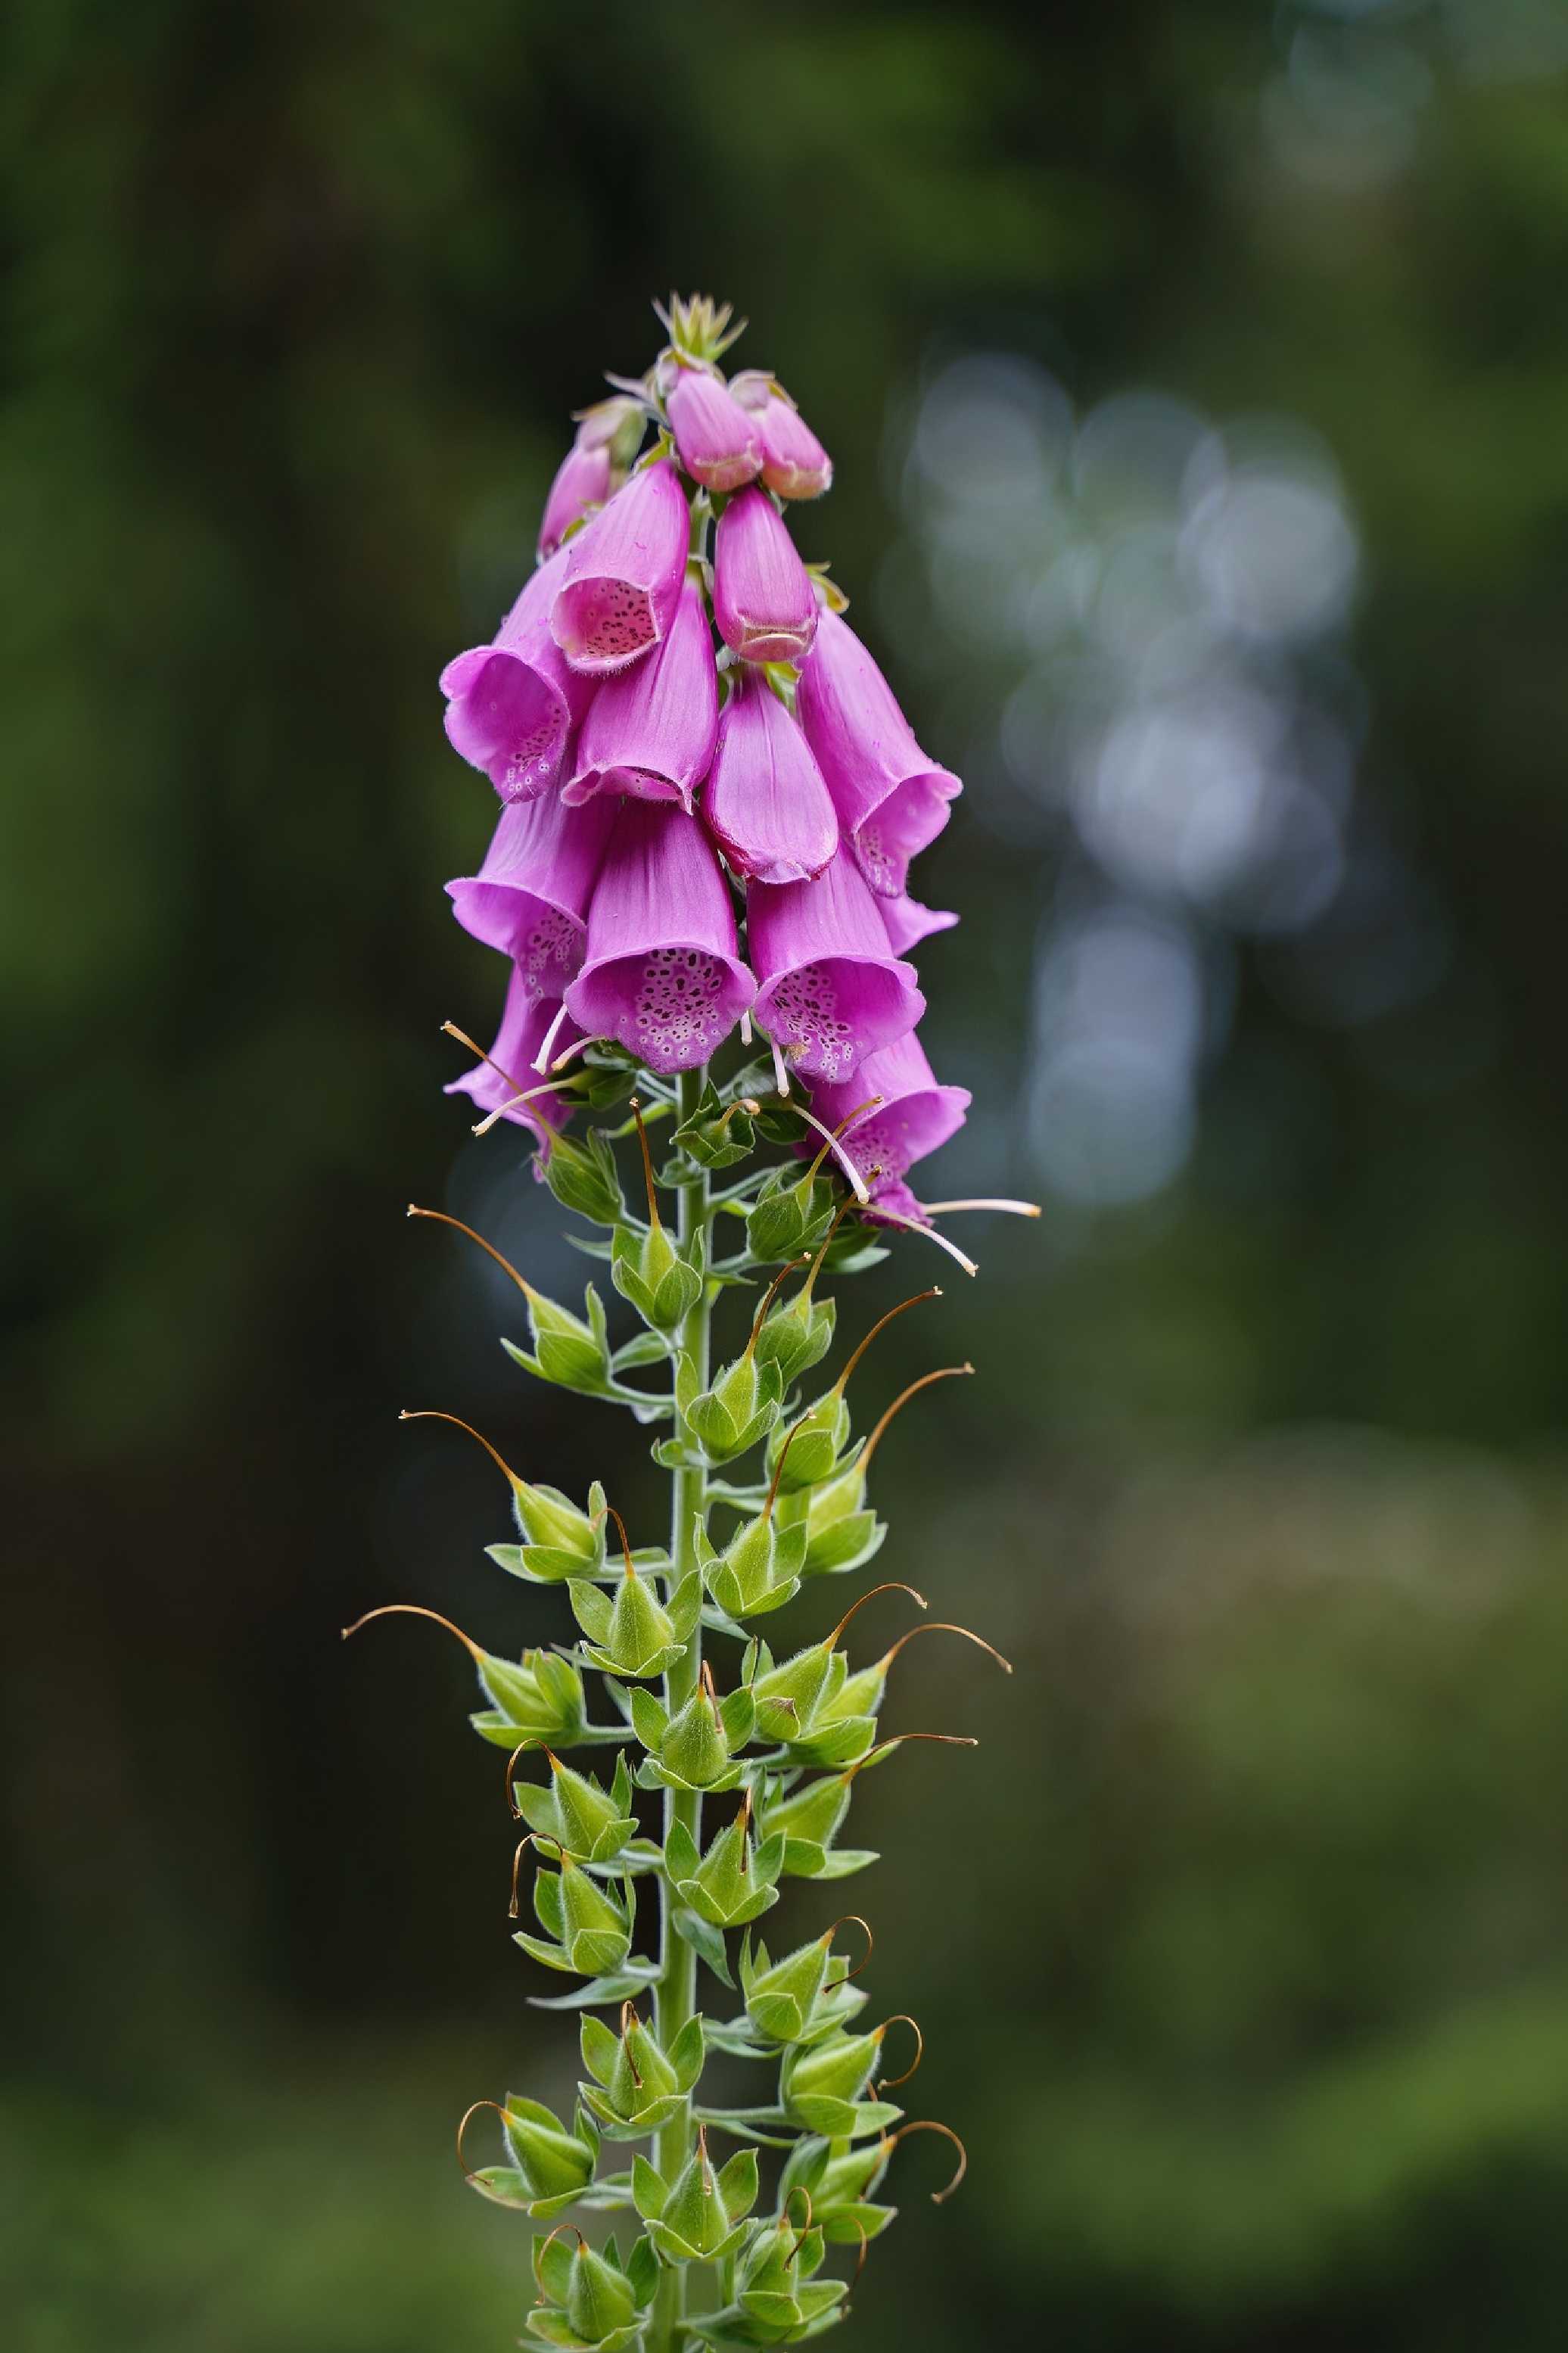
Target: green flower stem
x=675, y=1994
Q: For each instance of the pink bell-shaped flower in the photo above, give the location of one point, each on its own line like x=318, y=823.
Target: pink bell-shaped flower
x=525, y=1023
x=582, y=480
x=915, y=1116
x=715, y=440
x=662, y=976
x=830, y=990
x=765, y=803
x=650, y=730
x=529, y=898
x=511, y=705
x=593, y=468
x=762, y=597
x=795, y=462
x=621, y=576
x=892, y=800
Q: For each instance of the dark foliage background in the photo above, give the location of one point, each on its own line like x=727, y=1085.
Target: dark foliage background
x=1239, y=1947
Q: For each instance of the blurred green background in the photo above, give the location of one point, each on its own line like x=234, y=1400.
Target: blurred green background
x=1198, y=382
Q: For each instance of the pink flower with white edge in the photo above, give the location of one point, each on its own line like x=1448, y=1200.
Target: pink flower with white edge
x=662, y=974
x=622, y=575
x=762, y=597
x=764, y=801
x=529, y=898
x=892, y=801
x=525, y=1023
x=650, y=730
x=830, y=991
x=795, y=462
x=716, y=441
x=511, y=705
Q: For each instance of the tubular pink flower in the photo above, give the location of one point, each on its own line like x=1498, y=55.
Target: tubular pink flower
x=715, y=440
x=622, y=573
x=525, y=1023
x=582, y=480
x=829, y=989
x=765, y=802
x=529, y=898
x=650, y=730
x=662, y=976
x=762, y=597
x=795, y=462
x=511, y=705
x=909, y=923
x=915, y=1116
x=892, y=800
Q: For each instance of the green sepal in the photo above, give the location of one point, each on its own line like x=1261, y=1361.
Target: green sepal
x=735, y=1881
x=817, y=1442
x=587, y=1931
x=539, y=1699
x=840, y=2178
x=661, y=1281
x=592, y=2303
x=694, y=1748
x=758, y=1571
x=584, y=1821
x=801, y=1998
x=712, y=1137
x=583, y=1176
x=701, y=2216
x=636, y=1634
x=797, y=1336
x=791, y=1695
x=549, y=2167
x=635, y=1977
x=790, y=1215
x=821, y=2083
x=637, y=2085
x=737, y=1412
x=568, y=1351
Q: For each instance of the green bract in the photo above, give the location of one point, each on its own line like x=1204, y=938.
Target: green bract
x=575, y=1815
x=587, y=1930
x=698, y=2217
x=550, y=2166
x=637, y=2086
x=591, y=2302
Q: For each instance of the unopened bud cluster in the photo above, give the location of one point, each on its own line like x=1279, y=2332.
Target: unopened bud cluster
x=700, y=838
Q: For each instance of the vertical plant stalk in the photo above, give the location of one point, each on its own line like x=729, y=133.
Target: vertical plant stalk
x=675, y=2000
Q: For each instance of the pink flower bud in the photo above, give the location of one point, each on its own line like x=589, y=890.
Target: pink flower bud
x=762, y=597
x=650, y=730
x=795, y=462
x=662, y=974
x=526, y=1022
x=622, y=573
x=529, y=898
x=914, y=1116
x=582, y=480
x=830, y=990
x=511, y=706
x=892, y=800
x=765, y=802
x=715, y=440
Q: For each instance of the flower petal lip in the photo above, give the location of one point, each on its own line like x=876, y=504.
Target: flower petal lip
x=511, y=705
x=762, y=597
x=529, y=898
x=915, y=1116
x=892, y=801
x=525, y=1023
x=829, y=989
x=622, y=573
x=662, y=974
x=909, y=923
x=650, y=730
x=582, y=480
x=764, y=802
x=717, y=442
